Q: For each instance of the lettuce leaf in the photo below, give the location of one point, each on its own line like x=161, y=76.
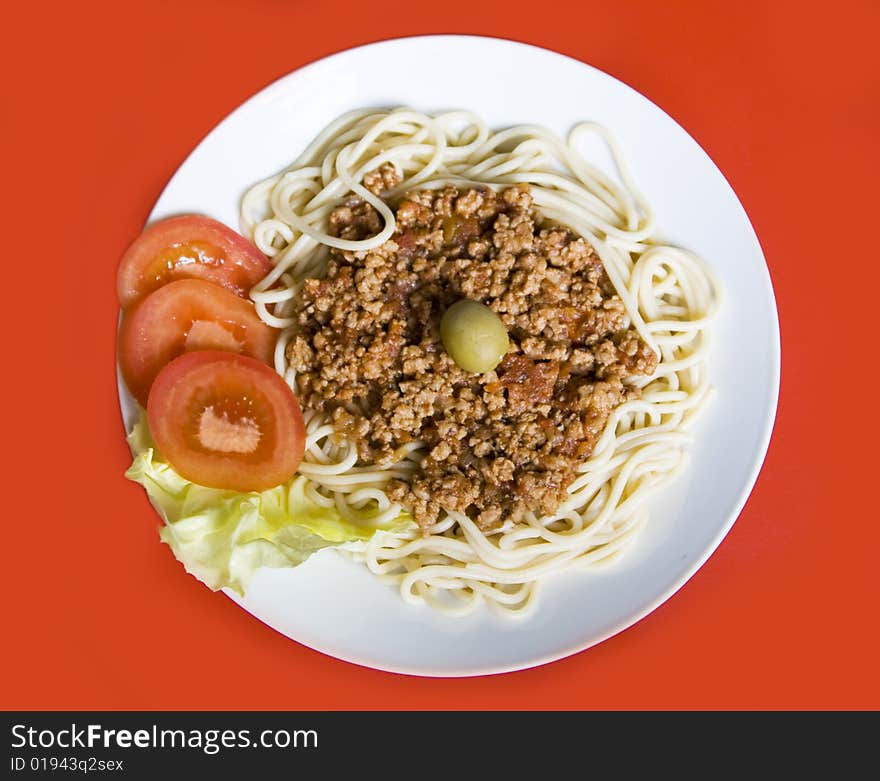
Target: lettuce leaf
x=223, y=537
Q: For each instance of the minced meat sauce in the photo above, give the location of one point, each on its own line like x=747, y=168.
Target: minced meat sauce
x=368, y=350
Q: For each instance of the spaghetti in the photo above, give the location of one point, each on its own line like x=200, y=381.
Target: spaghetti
x=670, y=297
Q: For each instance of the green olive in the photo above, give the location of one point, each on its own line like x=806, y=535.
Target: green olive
x=474, y=336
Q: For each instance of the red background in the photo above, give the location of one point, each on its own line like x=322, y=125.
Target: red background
x=101, y=103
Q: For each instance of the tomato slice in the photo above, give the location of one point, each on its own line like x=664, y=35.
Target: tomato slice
x=184, y=316
x=191, y=247
x=226, y=421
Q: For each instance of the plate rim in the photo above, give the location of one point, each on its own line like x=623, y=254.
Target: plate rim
x=775, y=363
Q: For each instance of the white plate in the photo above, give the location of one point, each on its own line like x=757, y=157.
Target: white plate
x=338, y=607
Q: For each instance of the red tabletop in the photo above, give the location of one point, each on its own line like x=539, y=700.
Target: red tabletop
x=101, y=103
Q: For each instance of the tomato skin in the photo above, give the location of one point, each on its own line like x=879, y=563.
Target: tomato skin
x=268, y=433
x=183, y=316
x=189, y=246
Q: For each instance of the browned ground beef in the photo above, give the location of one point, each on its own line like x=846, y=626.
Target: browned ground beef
x=368, y=349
